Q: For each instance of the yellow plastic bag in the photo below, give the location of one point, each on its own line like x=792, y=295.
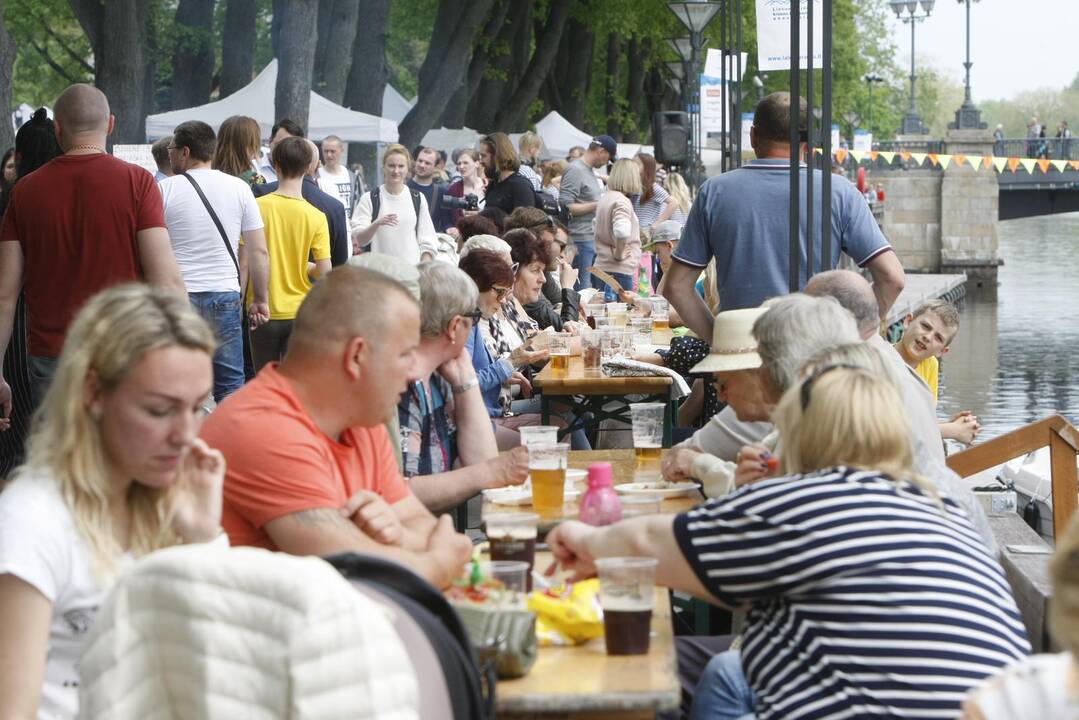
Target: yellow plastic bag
x=569, y=615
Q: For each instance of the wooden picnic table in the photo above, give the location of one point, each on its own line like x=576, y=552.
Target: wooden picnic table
x=590, y=392
x=582, y=682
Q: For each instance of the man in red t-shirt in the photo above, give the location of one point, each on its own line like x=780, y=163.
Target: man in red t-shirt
x=77, y=225
x=310, y=468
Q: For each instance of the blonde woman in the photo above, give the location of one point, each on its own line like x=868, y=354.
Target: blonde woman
x=114, y=471
x=677, y=189
x=618, y=234
x=393, y=219
x=865, y=589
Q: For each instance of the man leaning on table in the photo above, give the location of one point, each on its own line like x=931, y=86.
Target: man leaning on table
x=742, y=220
x=310, y=467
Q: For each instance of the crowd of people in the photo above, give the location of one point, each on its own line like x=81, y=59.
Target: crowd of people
x=260, y=350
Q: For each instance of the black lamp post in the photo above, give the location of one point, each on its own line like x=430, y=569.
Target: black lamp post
x=695, y=16
x=872, y=79
x=967, y=117
x=912, y=122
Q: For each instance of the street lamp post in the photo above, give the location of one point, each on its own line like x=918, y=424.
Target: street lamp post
x=912, y=122
x=968, y=116
x=695, y=16
x=872, y=79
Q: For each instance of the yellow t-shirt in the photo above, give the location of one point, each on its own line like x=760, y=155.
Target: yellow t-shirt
x=295, y=230
x=929, y=370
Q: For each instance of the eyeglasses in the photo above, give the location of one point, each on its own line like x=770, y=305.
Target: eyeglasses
x=475, y=316
x=807, y=384
x=502, y=292
x=514, y=267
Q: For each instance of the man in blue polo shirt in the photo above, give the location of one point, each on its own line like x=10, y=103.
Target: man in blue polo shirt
x=742, y=219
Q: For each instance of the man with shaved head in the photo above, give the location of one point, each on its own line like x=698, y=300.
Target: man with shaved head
x=310, y=467
x=79, y=224
x=330, y=205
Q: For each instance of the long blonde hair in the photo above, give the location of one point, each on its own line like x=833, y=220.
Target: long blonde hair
x=109, y=336
x=678, y=189
x=852, y=418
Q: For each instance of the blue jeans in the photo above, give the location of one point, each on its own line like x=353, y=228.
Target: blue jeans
x=611, y=294
x=723, y=692
x=584, y=259
x=224, y=312
x=41, y=370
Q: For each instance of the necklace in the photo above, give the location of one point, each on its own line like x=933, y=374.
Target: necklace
x=86, y=147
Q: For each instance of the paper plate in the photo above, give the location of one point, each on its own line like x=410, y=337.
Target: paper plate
x=660, y=489
x=518, y=496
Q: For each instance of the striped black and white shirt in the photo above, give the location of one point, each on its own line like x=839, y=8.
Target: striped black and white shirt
x=866, y=598
x=648, y=212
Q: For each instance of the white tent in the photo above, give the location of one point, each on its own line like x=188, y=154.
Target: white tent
x=257, y=100
x=449, y=139
x=559, y=135
x=394, y=105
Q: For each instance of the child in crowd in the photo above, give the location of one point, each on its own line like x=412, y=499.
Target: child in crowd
x=927, y=336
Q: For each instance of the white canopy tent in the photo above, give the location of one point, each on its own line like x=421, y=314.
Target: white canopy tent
x=449, y=139
x=559, y=135
x=257, y=100
x=394, y=105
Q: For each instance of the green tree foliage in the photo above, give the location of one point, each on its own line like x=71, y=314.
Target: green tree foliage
x=53, y=51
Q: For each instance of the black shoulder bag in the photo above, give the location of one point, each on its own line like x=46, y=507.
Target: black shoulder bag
x=220, y=227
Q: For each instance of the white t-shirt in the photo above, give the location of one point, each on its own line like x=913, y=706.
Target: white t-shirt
x=199, y=249
x=401, y=240
x=40, y=545
x=338, y=184
x=1038, y=687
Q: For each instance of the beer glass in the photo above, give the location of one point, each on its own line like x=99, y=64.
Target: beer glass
x=558, y=344
x=547, y=468
x=647, y=419
x=626, y=593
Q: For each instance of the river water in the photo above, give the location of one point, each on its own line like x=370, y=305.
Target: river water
x=1015, y=361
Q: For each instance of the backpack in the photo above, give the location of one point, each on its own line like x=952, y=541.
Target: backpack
x=376, y=204
x=471, y=687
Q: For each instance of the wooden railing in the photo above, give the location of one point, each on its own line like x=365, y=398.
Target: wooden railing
x=1063, y=442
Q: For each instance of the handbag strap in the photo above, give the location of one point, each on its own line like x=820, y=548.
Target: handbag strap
x=217, y=223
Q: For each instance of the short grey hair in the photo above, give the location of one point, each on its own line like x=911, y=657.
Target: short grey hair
x=853, y=292
x=445, y=293
x=486, y=242
x=797, y=327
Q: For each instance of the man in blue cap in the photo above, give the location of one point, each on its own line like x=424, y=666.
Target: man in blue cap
x=579, y=193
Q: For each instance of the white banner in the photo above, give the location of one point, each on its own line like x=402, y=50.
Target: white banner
x=774, y=34
x=863, y=141
x=747, y=123
x=136, y=155
x=713, y=64
x=713, y=98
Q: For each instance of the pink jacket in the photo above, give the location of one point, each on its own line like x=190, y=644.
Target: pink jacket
x=614, y=206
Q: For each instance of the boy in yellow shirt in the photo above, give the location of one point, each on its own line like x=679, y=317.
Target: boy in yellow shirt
x=927, y=335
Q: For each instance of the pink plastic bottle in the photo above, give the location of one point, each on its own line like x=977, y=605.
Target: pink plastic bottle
x=600, y=504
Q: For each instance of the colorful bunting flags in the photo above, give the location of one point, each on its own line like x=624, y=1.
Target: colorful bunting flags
x=944, y=161
x=1029, y=164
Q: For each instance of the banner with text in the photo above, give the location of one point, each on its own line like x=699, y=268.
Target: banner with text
x=774, y=34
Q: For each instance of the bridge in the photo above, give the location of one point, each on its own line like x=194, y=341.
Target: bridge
x=1046, y=188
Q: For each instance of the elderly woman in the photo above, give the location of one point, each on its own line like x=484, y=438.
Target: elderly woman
x=841, y=563
x=443, y=417
x=558, y=305
x=756, y=356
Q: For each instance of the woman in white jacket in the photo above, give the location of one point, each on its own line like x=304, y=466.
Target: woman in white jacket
x=618, y=236
x=114, y=471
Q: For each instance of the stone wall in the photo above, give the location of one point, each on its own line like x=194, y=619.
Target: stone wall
x=912, y=216
x=970, y=208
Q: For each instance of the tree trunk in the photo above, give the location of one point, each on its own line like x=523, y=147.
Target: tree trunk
x=482, y=57
x=575, y=83
x=333, y=72
x=8, y=51
x=636, y=53
x=238, y=45
x=120, y=34
x=446, y=63
x=611, y=91
x=296, y=61
x=500, y=75
x=193, y=57
x=514, y=113
x=367, y=76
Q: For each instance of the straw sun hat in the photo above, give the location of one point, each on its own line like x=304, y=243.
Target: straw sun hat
x=733, y=344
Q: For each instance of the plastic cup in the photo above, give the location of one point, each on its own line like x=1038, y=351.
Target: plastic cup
x=627, y=593
x=559, y=346
x=538, y=434
x=642, y=333
x=637, y=505
x=647, y=419
x=514, y=576
x=661, y=313
x=512, y=537
x=591, y=349
x=547, y=469
x=617, y=313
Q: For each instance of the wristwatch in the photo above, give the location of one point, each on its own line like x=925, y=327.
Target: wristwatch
x=458, y=389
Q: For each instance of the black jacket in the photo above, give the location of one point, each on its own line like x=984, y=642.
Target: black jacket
x=543, y=312
x=513, y=192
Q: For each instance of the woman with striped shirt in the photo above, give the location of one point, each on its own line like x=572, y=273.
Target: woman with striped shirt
x=654, y=204
x=869, y=593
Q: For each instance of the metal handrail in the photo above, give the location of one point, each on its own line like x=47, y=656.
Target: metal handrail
x=926, y=146
x=1063, y=442
x=1048, y=148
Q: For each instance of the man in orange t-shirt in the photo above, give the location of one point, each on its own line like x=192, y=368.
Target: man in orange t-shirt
x=310, y=467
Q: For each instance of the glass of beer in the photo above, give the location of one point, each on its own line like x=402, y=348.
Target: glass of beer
x=647, y=419
x=642, y=333
x=538, y=434
x=627, y=593
x=591, y=349
x=547, y=468
x=512, y=537
x=558, y=344
x=661, y=313
x=617, y=314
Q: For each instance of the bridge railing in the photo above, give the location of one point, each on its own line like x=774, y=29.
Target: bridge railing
x=1048, y=148
x=918, y=146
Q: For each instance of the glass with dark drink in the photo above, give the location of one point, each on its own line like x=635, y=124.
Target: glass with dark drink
x=512, y=536
x=626, y=593
x=591, y=349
